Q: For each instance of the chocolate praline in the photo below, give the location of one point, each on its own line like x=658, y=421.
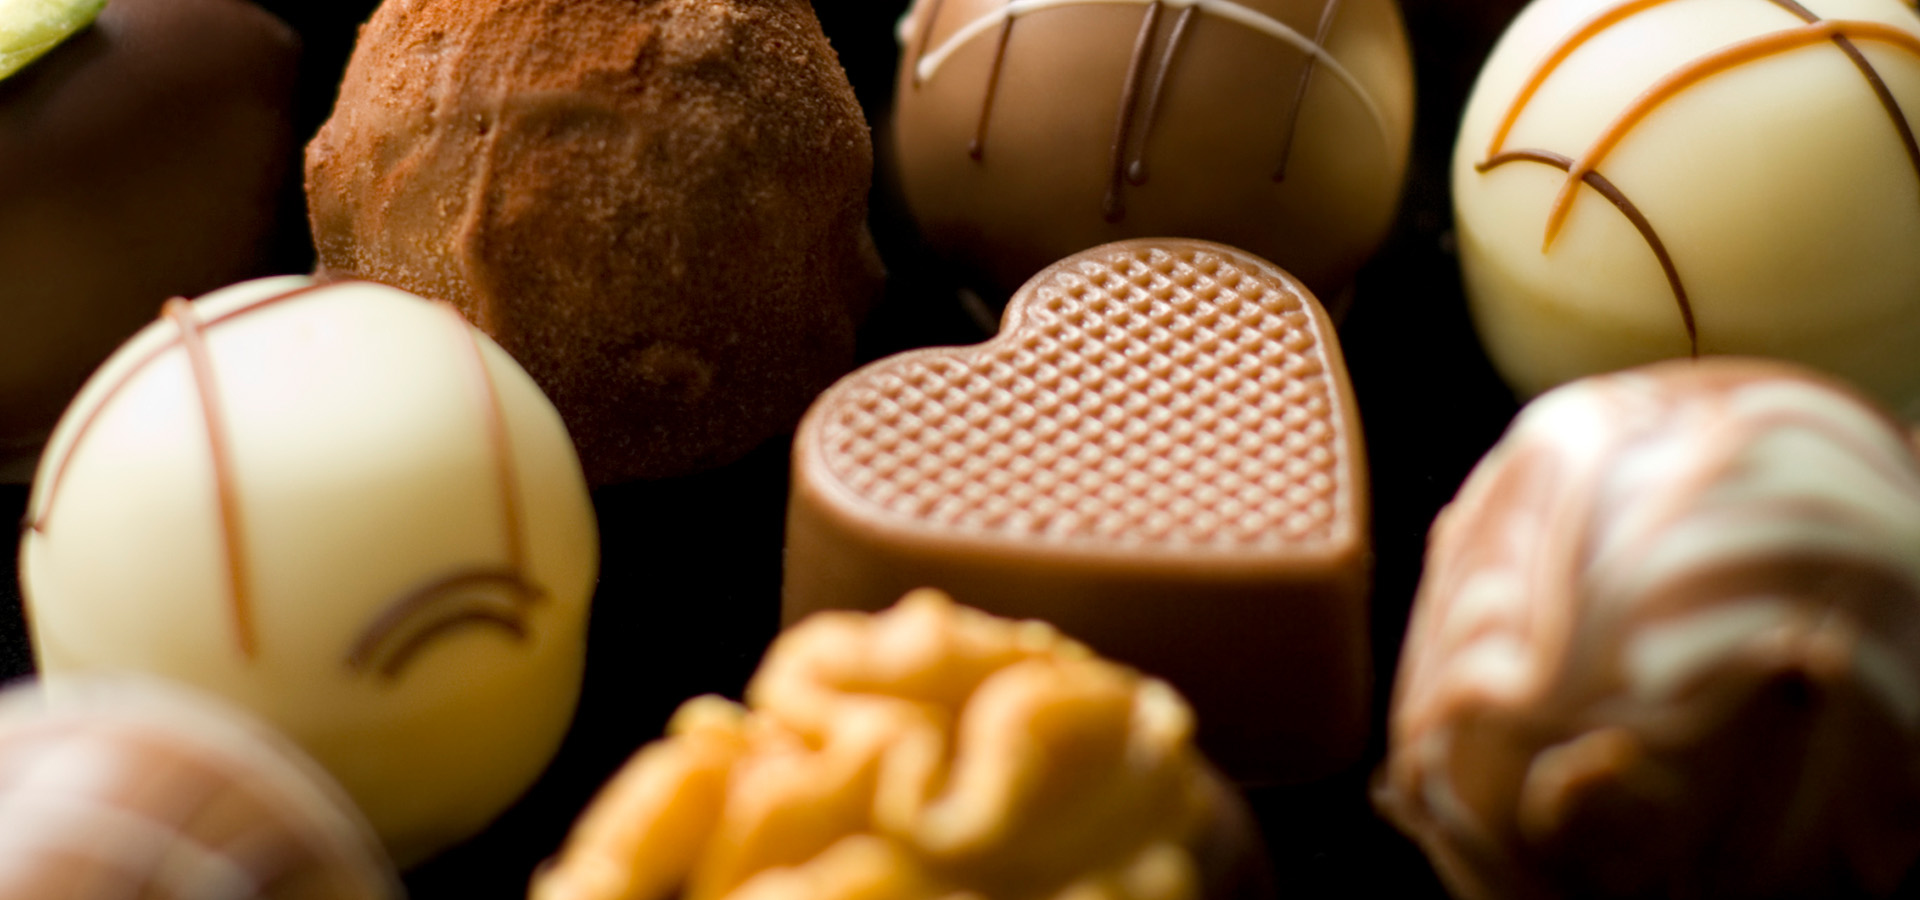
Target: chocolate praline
x=658, y=208
x=140, y=160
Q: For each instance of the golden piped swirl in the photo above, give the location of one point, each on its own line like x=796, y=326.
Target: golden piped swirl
x=926, y=751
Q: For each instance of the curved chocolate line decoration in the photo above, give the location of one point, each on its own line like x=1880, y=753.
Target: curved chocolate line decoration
x=1327, y=14
x=220, y=452
x=927, y=63
x=1620, y=201
x=496, y=427
x=393, y=639
x=37, y=521
x=1844, y=34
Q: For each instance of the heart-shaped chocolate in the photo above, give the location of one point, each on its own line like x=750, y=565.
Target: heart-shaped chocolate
x=1159, y=454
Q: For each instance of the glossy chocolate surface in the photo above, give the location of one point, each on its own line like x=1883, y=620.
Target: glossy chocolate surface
x=1159, y=454
x=142, y=159
x=1024, y=132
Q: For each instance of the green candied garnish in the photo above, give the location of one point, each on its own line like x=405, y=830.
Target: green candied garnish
x=29, y=28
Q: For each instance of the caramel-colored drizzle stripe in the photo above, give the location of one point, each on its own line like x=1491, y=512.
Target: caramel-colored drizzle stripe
x=1136, y=166
x=1619, y=199
x=930, y=16
x=38, y=521
x=1327, y=15
x=220, y=449
x=498, y=440
x=1600, y=23
x=1715, y=63
x=1113, y=206
x=372, y=649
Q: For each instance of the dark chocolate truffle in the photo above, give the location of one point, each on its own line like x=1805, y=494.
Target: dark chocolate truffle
x=659, y=208
x=139, y=160
x=1667, y=644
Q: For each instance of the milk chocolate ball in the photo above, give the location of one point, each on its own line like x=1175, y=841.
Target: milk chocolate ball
x=1026, y=132
x=659, y=208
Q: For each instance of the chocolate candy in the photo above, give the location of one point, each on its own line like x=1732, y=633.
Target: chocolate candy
x=119, y=787
x=927, y=751
x=1667, y=643
x=1640, y=180
x=343, y=508
x=1025, y=131
x=659, y=209
x=139, y=160
x=1159, y=454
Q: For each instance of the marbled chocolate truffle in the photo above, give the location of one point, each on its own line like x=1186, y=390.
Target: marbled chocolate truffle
x=343, y=508
x=1648, y=179
x=659, y=208
x=1668, y=644
x=1026, y=132
x=139, y=160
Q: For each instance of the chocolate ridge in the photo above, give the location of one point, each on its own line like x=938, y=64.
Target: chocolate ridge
x=371, y=649
x=220, y=452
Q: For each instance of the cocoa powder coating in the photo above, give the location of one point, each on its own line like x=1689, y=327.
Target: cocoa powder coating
x=657, y=206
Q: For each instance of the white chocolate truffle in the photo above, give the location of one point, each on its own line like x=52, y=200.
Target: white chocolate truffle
x=1647, y=179
x=128, y=787
x=1028, y=131
x=345, y=509
x=1667, y=644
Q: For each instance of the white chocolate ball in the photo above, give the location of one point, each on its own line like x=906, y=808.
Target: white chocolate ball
x=1763, y=148
x=351, y=513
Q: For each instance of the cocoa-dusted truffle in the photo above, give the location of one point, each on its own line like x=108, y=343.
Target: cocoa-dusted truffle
x=657, y=207
x=139, y=160
x=1668, y=644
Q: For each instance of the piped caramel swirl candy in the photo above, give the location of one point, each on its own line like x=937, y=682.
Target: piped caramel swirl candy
x=1668, y=643
x=927, y=751
x=114, y=787
x=1159, y=454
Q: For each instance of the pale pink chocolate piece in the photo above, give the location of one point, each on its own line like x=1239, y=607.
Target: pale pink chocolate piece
x=1159, y=454
x=1667, y=643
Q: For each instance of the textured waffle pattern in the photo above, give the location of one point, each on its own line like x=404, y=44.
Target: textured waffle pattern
x=1144, y=396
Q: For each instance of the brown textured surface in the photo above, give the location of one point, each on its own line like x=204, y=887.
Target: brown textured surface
x=657, y=207
x=138, y=161
x=1159, y=454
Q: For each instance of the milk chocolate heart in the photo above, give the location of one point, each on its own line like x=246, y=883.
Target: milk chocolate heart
x=1159, y=454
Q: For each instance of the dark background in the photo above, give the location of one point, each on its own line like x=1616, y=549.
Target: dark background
x=689, y=589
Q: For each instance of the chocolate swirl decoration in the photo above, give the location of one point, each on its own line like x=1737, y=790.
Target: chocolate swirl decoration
x=1146, y=77
x=375, y=650
x=1844, y=35
x=1667, y=642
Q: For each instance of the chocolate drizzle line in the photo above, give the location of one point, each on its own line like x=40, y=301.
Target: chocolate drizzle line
x=1717, y=62
x=220, y=449
x=1327, y=14
x=1137, y=166
x=496, y=426
x=38, y=521
x=1113, y=206
x=1879, y=85
x=1614, y=195
x=977, y=148
x=932, y=15
x=376, y=648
